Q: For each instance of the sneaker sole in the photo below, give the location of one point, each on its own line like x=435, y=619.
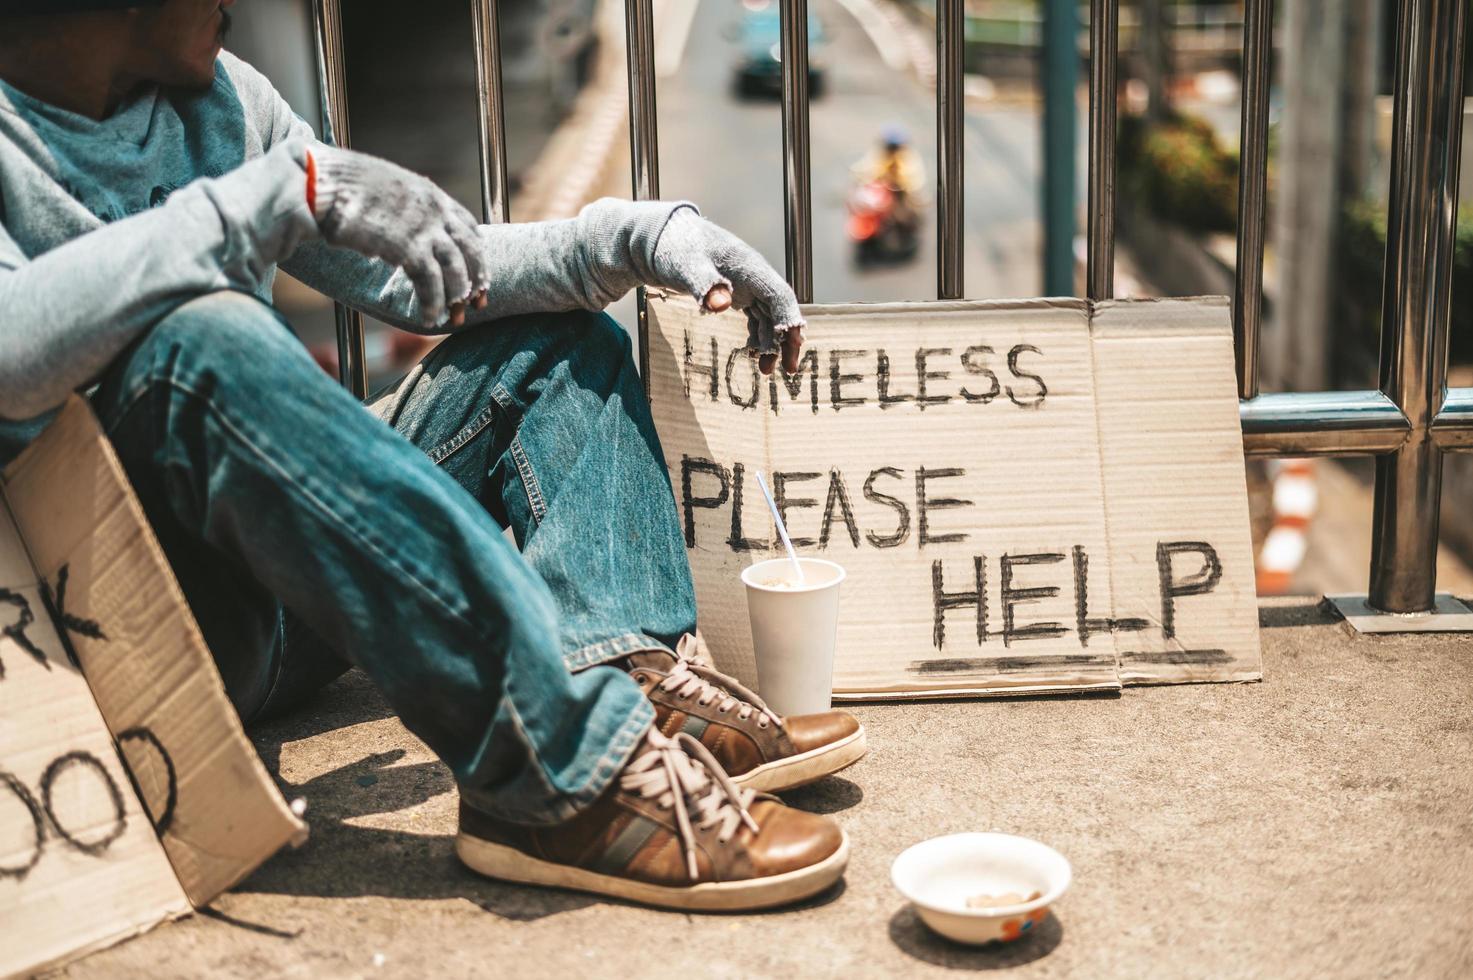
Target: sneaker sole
x=807, y=767
x=509, y=864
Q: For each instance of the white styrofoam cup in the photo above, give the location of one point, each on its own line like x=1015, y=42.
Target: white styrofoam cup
x=793, y=632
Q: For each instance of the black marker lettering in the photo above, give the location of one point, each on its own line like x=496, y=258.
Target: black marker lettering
x=971, y=360
x=840, y=496
x=902, y=528
x=923, y=376
x=1025, y=399
x=20, y=869
x=1014, y=597
x=165, y=816
x=941, y=601
x=56, y=605
x=691, y=367
x=17, y=629
x=689, y=501
x=1200, y=582
x=1083, y=623
x=736, y=541
x=882, y=376
x=731, y=360
x=924, y=506
x=780, y=483
x=837, y=379
x=794, y=382
x=85, y=760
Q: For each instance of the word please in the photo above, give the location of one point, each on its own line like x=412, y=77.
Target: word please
x=907, y=501
x=851, y=378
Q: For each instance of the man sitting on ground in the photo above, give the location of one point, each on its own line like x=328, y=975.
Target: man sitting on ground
x=150, y=184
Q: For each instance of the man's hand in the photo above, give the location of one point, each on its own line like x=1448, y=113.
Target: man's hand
x=379, y=209
x=720, y=271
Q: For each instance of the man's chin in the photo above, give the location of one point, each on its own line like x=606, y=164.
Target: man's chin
x=193, y=78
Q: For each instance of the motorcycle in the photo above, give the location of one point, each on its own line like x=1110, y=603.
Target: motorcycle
x=876, y=225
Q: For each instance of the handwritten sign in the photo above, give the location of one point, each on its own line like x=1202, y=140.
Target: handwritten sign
x=128, y=792
x=1027, y=495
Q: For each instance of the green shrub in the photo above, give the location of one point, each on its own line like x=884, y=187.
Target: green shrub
x=1181, y=171
x=1361, y=269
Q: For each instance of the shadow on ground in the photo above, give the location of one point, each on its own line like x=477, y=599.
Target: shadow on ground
x=393, y=863
x=910, y=934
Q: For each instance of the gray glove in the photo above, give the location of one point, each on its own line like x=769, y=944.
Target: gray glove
x=694, y=255
x=379, y=209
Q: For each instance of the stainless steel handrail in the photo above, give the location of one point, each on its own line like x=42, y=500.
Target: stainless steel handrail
x=1258, y=25
x=327, y=26
x=797, y=181
x=1324, y=423
x=1104, y=30
x=644, y=140
x=491, y=118
x=1422, y=209
x=950, y=187
x=1406, y=425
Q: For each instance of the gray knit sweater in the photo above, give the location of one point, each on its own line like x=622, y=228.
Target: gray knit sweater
x=106, y=226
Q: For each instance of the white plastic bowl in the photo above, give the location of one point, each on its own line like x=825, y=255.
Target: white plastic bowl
x=939, y=875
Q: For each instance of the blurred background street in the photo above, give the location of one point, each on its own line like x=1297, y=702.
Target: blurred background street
x=412, y=98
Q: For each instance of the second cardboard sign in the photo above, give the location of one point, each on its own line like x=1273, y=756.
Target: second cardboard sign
x=1027, y=495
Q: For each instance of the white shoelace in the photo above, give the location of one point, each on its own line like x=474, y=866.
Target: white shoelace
x=680, y=772
x=689, y=678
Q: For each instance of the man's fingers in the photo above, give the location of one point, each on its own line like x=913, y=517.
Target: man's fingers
x=428, y=289
x=452, y=269
x=472, y=249
x=481, y=300
x=792, y=345
x=765, y=363
x=719, y=298
x=457, y=316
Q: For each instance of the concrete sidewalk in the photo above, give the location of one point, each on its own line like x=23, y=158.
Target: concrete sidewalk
x=1319, y=824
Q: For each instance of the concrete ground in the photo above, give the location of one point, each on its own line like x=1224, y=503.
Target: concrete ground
x=1319, y=824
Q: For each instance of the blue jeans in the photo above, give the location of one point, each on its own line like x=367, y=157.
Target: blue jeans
x=304, y=530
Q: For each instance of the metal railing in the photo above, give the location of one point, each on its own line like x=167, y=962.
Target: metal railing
x=1406, y=424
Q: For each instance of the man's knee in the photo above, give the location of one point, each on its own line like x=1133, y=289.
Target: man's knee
x=218, y=341
x=591, y=344
x=224, y=326
x=592, y=347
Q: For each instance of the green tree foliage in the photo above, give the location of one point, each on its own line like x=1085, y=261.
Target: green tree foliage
x=1181, y=170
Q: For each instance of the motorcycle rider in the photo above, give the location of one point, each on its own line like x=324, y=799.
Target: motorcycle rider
x=896, y=164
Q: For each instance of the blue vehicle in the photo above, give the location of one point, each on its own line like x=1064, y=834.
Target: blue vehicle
x=759, y=70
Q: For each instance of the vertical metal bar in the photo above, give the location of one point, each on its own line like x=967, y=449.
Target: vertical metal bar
x=1104, y=32
x=644, y=150
x=644, y=140
x=950, y=184
x=1060, y=80
x=1258, y=21
x=1417, y=297
x=796, y=180
x=327, y=25
x=486, y=26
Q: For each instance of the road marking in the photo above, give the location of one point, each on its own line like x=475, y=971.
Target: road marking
x=882, y=34
x=672, y=29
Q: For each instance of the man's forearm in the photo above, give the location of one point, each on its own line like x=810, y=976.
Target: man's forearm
x=584, y=263
x=70, y=311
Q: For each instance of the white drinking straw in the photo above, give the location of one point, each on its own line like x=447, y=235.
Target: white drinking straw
x=782, y=531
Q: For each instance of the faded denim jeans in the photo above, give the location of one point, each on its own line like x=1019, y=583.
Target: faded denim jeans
x=306, y=532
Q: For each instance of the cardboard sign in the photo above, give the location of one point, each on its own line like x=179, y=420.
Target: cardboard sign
x=128, y=791
x=1027, y=495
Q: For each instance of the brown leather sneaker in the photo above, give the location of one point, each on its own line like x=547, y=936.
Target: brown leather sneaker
x=671, y=831
x=758, y=749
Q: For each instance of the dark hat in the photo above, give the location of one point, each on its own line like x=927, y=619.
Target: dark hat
x=69, y=6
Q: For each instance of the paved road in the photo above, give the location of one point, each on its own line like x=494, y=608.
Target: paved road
x=726, y=154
